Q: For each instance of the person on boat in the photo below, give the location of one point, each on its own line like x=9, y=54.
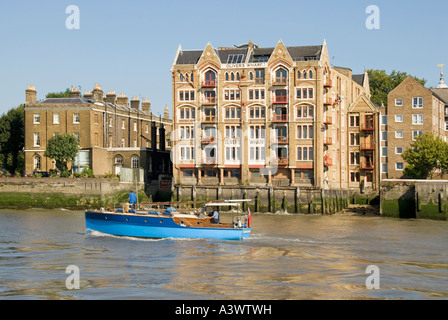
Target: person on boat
x=132, y=200
x=216, y=217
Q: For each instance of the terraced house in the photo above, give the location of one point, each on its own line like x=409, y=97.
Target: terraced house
x=272, y=116
x=112, y=132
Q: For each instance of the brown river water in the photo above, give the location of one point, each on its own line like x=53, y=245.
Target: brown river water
x=286, y=257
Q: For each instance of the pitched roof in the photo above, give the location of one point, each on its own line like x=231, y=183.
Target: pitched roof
x=441, y=93
x=66, y=100
x=299, y=53
x=358, y=78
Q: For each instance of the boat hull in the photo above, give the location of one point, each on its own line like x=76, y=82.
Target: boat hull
x=142, y=226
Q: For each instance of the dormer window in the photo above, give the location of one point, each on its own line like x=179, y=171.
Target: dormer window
x=235, y=58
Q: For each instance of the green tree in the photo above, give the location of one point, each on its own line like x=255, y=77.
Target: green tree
x=12, y=139
x=424, y=155
x=382, y=83
x=61, y=94
x=63, y=149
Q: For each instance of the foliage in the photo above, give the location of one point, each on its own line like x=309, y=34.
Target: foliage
x=12, y=139
x=86, y=173
x=61, y=94
x=426, y=154
x=63, y=149
x=382, y=83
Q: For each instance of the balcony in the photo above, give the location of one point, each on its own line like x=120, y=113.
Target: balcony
x=369, y=123
x=328, y=101
x=280, y=81
x=281, y=140
x=209, y=100
x=208, y=119
x=367, y=146
x=207, y=140
x=259, y=80
x=328, y=120
x=281, y=99
x=280, y=118
x=210, y=83
x=368, y=127
x=328, y=141
x=282, y=161
x=328, y=83
x=328, y=162
x=367, y=165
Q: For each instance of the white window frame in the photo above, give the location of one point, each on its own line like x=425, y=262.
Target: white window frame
x=56, y=118
x=396, y=150
x=414, y=135
x=399, y=102
x=419, y=104
x=397, y=133
x=36, y=139
x=76, y=118
x=36, y=118
x=417, y=119
x=397, y=116
x=396, y=166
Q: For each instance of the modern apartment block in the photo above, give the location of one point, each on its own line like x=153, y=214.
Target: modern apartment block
x=412, y=110
x=112, y=133
x=280, y=116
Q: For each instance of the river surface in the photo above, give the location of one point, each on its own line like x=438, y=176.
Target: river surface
x=286, y=257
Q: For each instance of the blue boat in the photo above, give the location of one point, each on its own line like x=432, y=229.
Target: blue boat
x=207, y=222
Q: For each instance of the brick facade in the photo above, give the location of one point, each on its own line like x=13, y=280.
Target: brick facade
x=270, y=116
x=112, y=133
x=412, y=110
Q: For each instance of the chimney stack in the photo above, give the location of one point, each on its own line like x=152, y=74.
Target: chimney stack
x=135, y=103
x=122, y=100
x=146, y=105
x=74, y=93
x=111, y=97
x=98, y=93
x=31, y=95
x=88, y=95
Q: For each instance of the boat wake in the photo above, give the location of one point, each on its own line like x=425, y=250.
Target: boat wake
x=95, y=233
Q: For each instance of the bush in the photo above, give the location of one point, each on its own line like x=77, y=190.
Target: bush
x=65, y=174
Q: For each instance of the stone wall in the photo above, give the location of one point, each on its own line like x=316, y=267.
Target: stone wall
x=421, y=199
x=88, y=186
x=270, y=199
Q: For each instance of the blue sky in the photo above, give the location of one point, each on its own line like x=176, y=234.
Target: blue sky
x=129, y=46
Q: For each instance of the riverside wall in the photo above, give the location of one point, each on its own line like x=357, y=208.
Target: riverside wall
x=97, y=186
x=83, y=193
x=75, y=193
x=273, y=199
x=421, y=199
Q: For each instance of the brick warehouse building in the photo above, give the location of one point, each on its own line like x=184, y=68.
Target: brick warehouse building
x=272, y=116
x=412, y=110
x=112, y=132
